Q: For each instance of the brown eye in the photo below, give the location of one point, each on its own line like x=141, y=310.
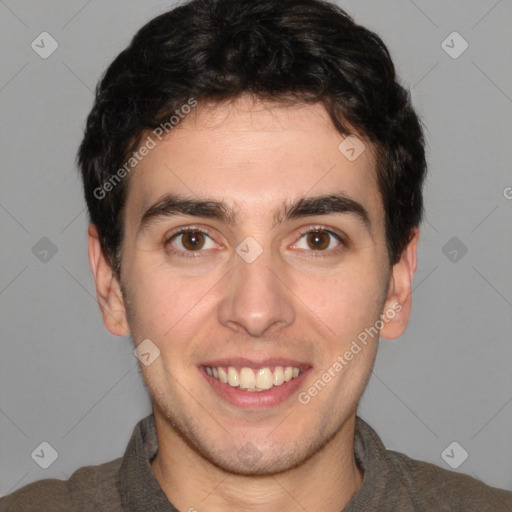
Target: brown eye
x=318, y=240
x=192, y=240
x=188, y=241
x=321, y=241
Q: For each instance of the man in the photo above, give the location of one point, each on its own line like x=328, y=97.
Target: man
x=253, y=173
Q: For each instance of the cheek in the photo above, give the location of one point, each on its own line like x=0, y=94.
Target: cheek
x=165, y=303
x=347, y=302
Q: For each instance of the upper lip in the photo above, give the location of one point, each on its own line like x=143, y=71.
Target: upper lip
x=256, y=363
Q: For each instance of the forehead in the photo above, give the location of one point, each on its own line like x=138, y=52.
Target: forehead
x=253, y=155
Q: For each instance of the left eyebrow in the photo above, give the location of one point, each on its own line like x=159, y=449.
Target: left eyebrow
x=325, y=205
x=172, y=204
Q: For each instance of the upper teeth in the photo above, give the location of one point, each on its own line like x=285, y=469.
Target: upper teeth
x=251, y=379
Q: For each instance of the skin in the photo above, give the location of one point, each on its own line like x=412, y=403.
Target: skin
x=292, y=301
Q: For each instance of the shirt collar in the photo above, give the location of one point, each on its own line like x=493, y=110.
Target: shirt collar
x=380, y=475
x=140, y=490
x=138, y=487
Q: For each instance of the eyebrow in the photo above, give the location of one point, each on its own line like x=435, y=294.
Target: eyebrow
x=172, y=205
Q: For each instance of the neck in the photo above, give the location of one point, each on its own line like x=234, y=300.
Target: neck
x=326, y=482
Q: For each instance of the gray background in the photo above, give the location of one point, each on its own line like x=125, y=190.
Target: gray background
x=67, y=381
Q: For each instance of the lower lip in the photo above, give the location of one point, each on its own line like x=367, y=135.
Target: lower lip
x=272, y=397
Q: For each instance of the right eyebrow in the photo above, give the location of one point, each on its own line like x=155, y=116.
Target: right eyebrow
x=172, y=204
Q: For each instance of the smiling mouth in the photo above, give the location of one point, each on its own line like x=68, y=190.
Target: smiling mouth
x=253, y=379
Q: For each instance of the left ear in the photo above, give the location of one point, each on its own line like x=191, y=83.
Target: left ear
x=398, y=304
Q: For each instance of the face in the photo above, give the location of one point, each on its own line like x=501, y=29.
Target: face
x=284, y=267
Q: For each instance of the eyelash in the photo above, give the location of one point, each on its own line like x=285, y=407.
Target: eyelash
x=302, y=232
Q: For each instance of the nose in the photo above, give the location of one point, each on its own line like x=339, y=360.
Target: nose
x=256, y=297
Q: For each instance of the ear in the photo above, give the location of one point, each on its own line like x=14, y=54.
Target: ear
x=398, y=304
x=108, y=289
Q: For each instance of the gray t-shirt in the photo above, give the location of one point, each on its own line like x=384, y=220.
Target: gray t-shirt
x=392, y=482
